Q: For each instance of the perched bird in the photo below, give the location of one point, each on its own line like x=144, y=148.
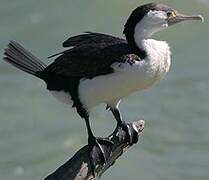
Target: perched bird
x=99, y=68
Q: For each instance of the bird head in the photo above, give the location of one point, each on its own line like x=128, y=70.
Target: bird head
x=150, y=18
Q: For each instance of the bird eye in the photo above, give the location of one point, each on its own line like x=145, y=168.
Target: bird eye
x=169, y=13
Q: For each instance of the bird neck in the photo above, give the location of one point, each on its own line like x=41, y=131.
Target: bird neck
x=136, y=35
x=135, y=46
x=142, y=32
x=140, y=43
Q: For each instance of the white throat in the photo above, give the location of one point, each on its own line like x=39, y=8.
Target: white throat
x=150, y=24
x=158, y=52
x=141, y=33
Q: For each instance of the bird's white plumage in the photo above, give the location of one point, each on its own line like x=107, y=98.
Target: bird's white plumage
x=127, y=78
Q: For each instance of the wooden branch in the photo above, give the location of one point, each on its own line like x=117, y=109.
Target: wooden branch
x=78, y=167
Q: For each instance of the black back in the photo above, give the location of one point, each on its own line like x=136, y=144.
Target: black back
x=92, y=55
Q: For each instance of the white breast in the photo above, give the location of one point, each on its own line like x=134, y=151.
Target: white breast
x=159, y=57
x=127, y=78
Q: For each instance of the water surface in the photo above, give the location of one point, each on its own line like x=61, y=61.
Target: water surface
x=38, y=133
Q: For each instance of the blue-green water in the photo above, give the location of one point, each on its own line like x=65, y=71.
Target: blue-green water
x=38, y=133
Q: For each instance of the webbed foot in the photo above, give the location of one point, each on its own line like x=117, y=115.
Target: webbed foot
x=131, y=135
x=98, y=153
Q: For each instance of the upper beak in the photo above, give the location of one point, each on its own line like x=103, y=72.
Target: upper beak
x=182, y=17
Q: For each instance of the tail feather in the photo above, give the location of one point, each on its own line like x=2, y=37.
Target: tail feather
x=15, y=58
x=21, y=58
x=12, y=52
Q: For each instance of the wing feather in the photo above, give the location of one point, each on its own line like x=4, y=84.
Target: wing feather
x=91, y=54
x=91, y=37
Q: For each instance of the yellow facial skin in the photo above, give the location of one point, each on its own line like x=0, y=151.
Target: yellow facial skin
x=171, y=14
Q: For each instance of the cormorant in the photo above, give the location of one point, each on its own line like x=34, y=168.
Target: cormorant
x=100, y=68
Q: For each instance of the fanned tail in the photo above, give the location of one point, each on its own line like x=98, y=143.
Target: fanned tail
x=22, y=59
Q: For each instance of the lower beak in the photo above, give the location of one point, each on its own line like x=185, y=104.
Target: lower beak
x=181, y=17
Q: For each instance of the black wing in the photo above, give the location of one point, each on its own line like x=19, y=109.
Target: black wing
x=91, y=54
x=88, y=39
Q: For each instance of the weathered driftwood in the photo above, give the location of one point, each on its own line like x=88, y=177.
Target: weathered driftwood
x=78, y=167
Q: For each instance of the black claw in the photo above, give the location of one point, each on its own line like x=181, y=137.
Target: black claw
x=131, y=133
x=98, y=151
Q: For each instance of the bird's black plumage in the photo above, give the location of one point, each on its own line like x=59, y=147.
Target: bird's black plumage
x=90, y=55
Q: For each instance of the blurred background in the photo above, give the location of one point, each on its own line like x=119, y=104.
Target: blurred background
x=38, y=133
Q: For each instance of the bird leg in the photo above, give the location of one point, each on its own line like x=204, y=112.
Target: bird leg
x=130, y=136
x=96, y=148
